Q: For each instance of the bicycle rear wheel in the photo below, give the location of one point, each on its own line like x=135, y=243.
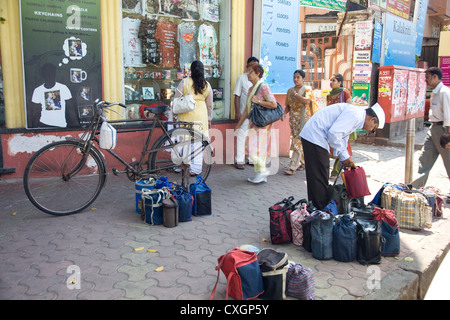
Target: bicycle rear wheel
x=60, y=180
x=184, y=146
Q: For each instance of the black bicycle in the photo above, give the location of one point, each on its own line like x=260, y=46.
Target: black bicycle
x=66, y=177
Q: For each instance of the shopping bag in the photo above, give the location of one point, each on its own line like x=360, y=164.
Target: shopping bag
x=356, y=182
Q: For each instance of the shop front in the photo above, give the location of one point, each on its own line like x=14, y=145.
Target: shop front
x=59, y=57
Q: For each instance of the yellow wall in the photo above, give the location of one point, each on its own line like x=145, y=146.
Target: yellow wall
x=10, y=44
x=11, y=50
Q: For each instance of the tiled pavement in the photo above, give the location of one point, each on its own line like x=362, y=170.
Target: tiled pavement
x=37, y=249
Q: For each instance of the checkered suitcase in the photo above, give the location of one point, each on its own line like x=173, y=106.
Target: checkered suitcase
x=410, y=208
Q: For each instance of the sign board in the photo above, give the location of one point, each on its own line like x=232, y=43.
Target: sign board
x=62, y=61
x=335, y=5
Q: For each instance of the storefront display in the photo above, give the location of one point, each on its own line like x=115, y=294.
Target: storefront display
x=162, y=38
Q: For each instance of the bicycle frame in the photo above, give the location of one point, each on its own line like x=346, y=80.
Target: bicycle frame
x=155, y=122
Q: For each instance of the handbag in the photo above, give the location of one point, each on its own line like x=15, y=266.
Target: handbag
x=355, y=182
x=262, y=117
x=280, y=221
x=183, y=104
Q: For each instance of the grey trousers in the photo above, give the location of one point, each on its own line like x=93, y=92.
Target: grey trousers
x=430, y=152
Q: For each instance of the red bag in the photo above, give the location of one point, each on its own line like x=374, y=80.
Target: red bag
x=244, y=277
x=385, y=215
x=356, y=182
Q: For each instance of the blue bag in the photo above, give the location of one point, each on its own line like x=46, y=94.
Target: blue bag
x=202, y=198
x=392, y=238
x=322, y=236
x=141, y=184
x=152, y=200
x=345, y=239
x=185, y=202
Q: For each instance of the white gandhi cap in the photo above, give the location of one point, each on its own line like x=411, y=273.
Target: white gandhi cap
x=380, y=114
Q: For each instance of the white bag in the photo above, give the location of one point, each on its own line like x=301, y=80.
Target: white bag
x=184, y=103
x=108, y=136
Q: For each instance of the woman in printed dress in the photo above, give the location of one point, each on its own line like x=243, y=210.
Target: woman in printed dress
x=258, y=137
x=299, y=108
x=339, y=94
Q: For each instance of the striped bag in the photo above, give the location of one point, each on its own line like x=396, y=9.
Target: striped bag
x=410, y=208
x=300, y=282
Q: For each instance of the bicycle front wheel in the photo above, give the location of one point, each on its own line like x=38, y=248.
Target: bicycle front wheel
x=183, y=146
x=60, y=179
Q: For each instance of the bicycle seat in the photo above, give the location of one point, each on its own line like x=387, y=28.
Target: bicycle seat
x=158, y=109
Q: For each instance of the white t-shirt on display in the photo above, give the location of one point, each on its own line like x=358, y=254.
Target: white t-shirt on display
x=53, y=104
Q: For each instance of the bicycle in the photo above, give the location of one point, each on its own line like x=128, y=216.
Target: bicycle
x=66, y=177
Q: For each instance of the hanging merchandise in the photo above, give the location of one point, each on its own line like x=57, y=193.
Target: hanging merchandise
x=187, y=33
x=166, y=34
x=207, y=41
x=132, y=54
x=190, y=9
x=150, y=46
x=210, y=10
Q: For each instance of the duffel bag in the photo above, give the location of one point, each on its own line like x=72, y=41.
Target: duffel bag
x=322, y=236
x=280, y=221
x=243, y=274
x=370, y=242
x=202, y=197
x=345, y=239
x=274, y=266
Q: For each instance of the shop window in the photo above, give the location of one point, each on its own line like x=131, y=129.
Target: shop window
x=161, y=38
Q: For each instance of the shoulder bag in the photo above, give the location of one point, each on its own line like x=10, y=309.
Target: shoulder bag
x=185, y=103
x=262, y=117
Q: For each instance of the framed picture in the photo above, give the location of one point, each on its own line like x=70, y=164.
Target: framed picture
x=148, y=93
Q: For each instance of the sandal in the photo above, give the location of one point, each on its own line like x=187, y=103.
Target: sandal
x=301, y=168
x=239, y=166
x=289, y=172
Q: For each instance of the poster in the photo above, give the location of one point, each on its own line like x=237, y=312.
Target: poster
x=445, y=67
x=420, y=16
x=399, y=8
x=377, y=42
x=62, y=61
x=399, y=42
x=362, y=66
x=280, y=39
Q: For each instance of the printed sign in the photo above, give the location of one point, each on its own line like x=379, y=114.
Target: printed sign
x=280, y=40
x=335, y=5
x=362, y=67
x=400, y=42
x=62, y=61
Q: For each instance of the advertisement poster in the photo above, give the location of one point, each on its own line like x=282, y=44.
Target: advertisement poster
x=400, y=94
x=377, y=42
x=420, y=16
x=399, y=8
x=362, y=66
x=62, y=61
x=400, y=42
x=280, y=42
x=445, y=67
x=417, y=89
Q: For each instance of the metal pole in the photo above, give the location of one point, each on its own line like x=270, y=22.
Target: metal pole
x=409, y=165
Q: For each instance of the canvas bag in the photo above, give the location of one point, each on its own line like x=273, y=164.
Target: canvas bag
x=185, y=103
x=322, y=236
x=108, y=136
x=297, y=217
x=202, y=197
x=243, y=274
x=274, y=266
x=185, y=202
x=152, y=200
x=345, y=239
x=280, y=221
x=355, y=182
x=300, y=282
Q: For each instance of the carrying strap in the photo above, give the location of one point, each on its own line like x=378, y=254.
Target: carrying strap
x=146, y=195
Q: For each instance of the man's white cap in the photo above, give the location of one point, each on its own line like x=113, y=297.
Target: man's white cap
x=380, y=114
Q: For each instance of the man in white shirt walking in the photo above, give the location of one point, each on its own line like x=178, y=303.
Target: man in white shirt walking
x=240, y=103
x=440, y=124
x=331, y=127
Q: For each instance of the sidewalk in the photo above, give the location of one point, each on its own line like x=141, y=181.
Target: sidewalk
x=37, y=249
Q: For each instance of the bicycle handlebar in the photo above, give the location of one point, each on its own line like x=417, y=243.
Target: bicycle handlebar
x=104, y=104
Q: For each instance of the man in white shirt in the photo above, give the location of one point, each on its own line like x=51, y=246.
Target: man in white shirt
x=331, y=127
x=240, y=103
x=440, y=124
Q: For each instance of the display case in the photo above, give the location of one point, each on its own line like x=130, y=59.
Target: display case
x=160, y=41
